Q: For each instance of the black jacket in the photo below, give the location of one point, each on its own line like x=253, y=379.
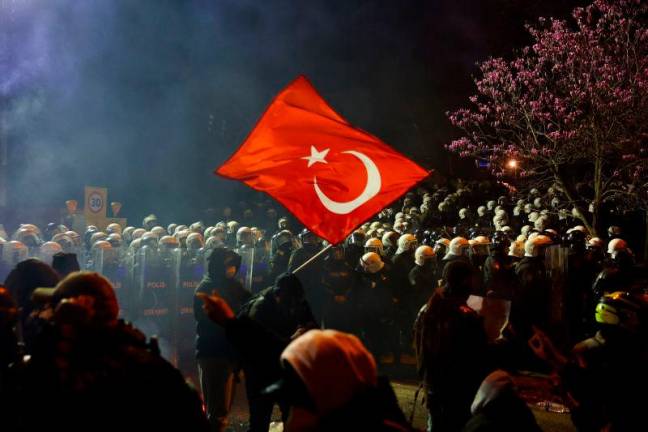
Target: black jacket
x=210, y=337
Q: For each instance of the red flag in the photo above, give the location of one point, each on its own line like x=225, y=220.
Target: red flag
x=329, y=174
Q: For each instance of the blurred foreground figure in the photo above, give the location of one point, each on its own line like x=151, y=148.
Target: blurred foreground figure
x=605, y=376
x=327, y=378
x=89, y=370
x=498, y=407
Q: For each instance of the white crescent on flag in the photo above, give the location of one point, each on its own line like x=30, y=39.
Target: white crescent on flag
x=371, y=189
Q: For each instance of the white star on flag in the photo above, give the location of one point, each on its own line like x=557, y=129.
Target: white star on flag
x=316, y=156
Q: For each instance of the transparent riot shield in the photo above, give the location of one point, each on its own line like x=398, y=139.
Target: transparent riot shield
x=556, y=259
x=109, y=263
x=192, y=268
x=246, y=270
x=155, y=278
x=13, y=252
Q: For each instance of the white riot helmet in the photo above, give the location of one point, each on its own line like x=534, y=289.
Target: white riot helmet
x=98, y=236
x=375, y=225
x=115, y=240
x=179, y=228
x=458, y=246
x=244, y=236
x=390, y=239
x=541, y=223
x=480, y=240
x=525, y=230
x=580, y=228
x=168, y=242
x=533, y=216
x=537, y=202
x=406, y=242
x=617, y=245
x=399, y=226
x=232, y=227
x=127, y=233
x=479, y=245
x=114, y=228
x=499, y=220
x=159, y=231
x=423, y=254
x=490, y=205
x=48, y=250
x=534, y=245
x=101, y=244
x=516, y=249
x=138, y=233
x=195, y=241
x=374, y=245
x=595, y=243
x=481, y=211
x=371, y=262
x=464, y=213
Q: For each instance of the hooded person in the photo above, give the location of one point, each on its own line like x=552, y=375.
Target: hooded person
x=327, y=379
x=283, y=312
x=331, y=383
x=498, y=407
x=65, y=263
x=217, y=359
x=311, y=275
x=340, y=281
x=21, y=282
x=449, y=336
x=87, y=365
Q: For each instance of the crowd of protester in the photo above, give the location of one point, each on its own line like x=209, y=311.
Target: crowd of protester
x=466, y=284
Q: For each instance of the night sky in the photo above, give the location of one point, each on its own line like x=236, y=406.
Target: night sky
x=147, y=97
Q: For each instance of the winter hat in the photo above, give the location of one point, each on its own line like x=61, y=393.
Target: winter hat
x=334, y=367
x=493, y=386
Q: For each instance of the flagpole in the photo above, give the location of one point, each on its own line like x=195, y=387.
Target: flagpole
x=313, y=258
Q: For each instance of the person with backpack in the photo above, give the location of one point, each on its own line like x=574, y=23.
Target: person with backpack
x=283, y=312
x=449, y=338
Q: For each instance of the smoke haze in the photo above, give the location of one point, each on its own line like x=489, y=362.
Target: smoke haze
x=147, y=97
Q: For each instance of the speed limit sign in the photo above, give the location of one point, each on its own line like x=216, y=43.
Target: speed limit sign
x=95, y=203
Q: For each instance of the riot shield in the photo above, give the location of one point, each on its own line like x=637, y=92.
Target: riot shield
x=155, y=278
x=109, y=263
x=13, y=252
x=246, y=270
x=556, y=261
x=192, y=269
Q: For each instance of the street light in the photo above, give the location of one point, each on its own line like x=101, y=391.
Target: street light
x=512, y=163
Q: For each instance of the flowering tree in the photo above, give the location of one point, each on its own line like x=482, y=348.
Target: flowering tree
x=571, y=108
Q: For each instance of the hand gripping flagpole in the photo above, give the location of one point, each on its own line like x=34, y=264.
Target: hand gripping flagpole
x=313, y=258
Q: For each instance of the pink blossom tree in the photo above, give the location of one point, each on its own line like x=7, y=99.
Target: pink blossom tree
x=570, y=108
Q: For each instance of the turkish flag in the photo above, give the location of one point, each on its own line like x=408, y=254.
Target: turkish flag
x=329, y=174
